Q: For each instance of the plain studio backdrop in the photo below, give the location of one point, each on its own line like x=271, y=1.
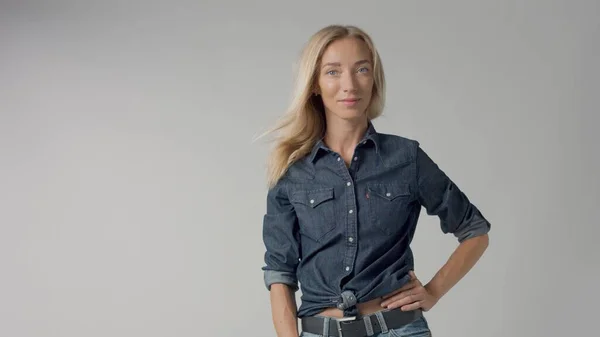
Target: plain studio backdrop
x=132, y=193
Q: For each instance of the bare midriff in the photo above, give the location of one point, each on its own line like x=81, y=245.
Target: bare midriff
x=365, y=308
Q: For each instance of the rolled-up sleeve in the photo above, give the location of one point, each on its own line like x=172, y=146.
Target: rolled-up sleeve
x=281, y=239
x=441, y=197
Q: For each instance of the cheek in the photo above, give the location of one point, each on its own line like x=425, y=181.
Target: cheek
x=367, y=85
x=328, y=88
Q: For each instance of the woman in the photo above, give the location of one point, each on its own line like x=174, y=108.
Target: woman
x=344, y=200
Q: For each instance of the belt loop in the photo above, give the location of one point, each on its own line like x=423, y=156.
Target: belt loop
x=368, y=325
x=326, y=321
x=381, y=321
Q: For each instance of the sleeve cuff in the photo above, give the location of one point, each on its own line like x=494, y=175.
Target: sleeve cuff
x=478, y=228
x=274, y=276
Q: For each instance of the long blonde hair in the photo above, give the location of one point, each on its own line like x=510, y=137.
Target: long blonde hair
x=304, y=122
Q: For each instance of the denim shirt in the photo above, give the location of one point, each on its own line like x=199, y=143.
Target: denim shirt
x=344, y=233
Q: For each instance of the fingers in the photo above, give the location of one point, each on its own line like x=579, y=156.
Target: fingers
x=407, y=286
x=406, y=300
x=405, y=297
x=411, y=296
x=414, y=281
x=412, y=306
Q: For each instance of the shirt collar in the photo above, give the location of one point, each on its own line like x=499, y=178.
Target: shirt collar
x=370, y=135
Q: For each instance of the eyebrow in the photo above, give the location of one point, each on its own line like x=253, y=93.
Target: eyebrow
x=337, y=64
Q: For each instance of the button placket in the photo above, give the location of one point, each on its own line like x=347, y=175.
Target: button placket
x=351, y=218
x=351, y=222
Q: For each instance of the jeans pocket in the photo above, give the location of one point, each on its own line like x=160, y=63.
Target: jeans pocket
x=315, y=210
x=388, y=206
x=417, y=328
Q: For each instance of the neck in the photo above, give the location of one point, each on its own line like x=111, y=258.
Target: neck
x=342, y=135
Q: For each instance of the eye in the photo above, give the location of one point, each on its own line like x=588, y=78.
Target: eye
x=363, y=69
x=332, y=72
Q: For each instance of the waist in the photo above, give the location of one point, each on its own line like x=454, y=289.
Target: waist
x=365, y=308
x=374, y=324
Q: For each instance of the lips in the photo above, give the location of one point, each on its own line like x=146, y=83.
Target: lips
x=350, y=102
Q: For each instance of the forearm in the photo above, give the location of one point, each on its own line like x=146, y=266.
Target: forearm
x=458, y=265
x=283, y=309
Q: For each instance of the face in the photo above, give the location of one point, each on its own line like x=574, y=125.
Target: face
x=345, y=79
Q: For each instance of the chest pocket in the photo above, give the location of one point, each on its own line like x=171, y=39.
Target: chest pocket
x=388, y=206
x=315, y=210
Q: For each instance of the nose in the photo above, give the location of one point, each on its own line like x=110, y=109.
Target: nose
x=348, y=82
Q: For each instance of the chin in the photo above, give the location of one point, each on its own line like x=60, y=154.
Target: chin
x=350, y=113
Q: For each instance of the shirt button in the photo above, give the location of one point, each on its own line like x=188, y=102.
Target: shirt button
x=312, y=201
x=388, y=194
x=348, y=183
x=355, y=158
x=351, y=239
x=350, y=211
x=347, y=268
x=339, y=159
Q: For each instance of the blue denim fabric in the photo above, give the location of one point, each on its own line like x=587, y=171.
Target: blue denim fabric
x=417, y=328
x=344, y=233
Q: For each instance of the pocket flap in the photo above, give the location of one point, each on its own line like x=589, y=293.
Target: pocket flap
x=389, y=191
x=312, y=198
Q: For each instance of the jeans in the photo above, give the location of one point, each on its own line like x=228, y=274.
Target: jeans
x=417, y=328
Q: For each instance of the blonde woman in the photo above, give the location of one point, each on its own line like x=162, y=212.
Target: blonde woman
x=344, y=200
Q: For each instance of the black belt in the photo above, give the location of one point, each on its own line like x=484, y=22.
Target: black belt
x=356, y=326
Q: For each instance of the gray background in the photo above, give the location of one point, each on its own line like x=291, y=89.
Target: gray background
x=132, y=194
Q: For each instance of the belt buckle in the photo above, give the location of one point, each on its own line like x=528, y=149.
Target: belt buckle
x=339, y=321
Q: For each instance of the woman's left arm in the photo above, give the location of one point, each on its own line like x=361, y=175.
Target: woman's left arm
x=415, y=295
x=458, y=265
x=441, y=197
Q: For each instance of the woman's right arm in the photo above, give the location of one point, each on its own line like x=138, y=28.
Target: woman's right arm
x=283, y=309
x=282, y=256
